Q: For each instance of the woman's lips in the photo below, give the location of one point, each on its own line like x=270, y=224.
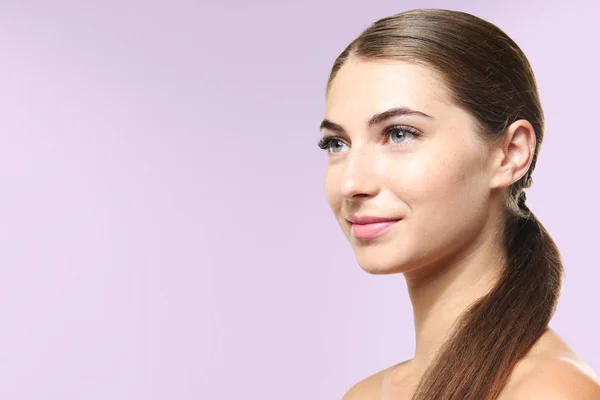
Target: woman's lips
x=372, y=230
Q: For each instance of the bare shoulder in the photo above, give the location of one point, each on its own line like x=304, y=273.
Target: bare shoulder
x=553, y=371
x=369, y=388
x=555, y=379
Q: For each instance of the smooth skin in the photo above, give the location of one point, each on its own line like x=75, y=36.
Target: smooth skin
x=446, y=185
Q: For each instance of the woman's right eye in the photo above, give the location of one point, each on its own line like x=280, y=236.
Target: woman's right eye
x=332, y=145
x=336, y=146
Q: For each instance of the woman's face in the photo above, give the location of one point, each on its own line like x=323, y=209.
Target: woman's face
x=429, y=173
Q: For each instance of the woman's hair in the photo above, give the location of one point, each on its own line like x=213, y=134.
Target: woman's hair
x=488, y=75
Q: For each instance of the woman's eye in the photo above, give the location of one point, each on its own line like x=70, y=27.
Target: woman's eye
x=399, y=135
x=336, y=146
x=395, y=134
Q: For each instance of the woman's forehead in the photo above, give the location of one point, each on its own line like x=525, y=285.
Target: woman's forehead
x=368, y=87
x=372, y=86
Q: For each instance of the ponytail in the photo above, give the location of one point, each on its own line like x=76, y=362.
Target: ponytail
x=500, y=328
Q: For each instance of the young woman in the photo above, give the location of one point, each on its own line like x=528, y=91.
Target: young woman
x=433, y=127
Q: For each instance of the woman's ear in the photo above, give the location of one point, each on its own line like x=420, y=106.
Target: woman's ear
x=513, y=155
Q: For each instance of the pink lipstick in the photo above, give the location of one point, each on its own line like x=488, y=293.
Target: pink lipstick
x=366, y=228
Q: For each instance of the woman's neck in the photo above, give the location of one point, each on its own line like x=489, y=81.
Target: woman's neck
x=441, y=292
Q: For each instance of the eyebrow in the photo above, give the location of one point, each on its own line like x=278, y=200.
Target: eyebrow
x=378, y=118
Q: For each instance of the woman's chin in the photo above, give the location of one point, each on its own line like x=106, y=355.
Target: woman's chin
x=377, y=270
x=379, y=266
x=386, y=259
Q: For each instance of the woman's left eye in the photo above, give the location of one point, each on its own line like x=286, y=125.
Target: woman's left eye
x=398, y=134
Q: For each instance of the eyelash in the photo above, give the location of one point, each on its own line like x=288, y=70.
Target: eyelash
x=325, y=141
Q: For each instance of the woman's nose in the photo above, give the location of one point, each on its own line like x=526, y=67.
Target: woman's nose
x=359, y=177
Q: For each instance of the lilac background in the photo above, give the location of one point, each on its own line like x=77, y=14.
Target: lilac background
x=164, y=230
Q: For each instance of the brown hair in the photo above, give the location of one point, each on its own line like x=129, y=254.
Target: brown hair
x=489, y=76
